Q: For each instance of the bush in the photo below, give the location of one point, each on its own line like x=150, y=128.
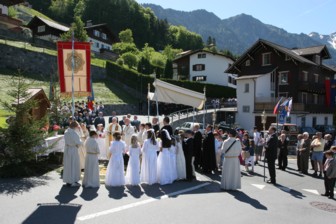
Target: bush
x=133, y=78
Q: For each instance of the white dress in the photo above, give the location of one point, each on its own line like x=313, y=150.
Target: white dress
x=71, y=171
x=180, y=162
x=164, y=172
x=82, y=152
x=148, y=173
x=172, y=152
x=91, y=174
x=133, y=167
x=231, y=177
x=103, y=155
x=115, y=169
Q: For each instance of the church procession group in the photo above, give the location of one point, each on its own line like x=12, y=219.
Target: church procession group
x=139, y=153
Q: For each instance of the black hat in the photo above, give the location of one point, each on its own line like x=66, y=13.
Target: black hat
x=232, y=132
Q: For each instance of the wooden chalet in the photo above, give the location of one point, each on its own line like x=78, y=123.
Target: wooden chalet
x=7, y=22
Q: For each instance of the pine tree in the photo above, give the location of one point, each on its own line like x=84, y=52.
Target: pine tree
x=77, y=27
x=168, y=71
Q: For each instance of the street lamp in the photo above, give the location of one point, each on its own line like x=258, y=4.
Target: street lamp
x=263, y=119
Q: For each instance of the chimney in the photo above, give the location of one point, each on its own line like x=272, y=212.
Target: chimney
x=88, y=23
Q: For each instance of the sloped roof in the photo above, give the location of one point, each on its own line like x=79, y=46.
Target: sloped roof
x=188, y=53
x=11, y=2
x=312, y=50
x=50, y=23
x=32, y=93
x=290, y=52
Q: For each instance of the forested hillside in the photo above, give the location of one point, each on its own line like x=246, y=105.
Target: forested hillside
x=121, y=15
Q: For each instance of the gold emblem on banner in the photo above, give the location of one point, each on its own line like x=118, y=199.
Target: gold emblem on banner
x=78, y=59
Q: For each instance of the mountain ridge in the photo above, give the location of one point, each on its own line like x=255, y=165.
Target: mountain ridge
x=239, y=32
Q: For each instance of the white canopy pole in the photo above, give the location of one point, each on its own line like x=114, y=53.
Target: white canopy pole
x=204, y=90
x=148, y=102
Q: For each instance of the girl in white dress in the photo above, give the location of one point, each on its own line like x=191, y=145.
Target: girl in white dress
x=101, y=142
x=115, y=169
x=149, y=149
x=84, y=134
x=133, y=168
x=140, y=133
x=164, y=171
x=180, y=159
x=91, y=174
x=173, y=164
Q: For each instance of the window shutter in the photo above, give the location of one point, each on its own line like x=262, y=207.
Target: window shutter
x=194, y=67
x=203, y=67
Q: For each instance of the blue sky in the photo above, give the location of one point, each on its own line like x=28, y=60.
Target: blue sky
x=295, y=16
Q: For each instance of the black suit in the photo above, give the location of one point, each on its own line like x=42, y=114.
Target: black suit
x=271, y=147
x=282, y=158
x=198, y=149
x=99, y=120
x=168, y=128
x=209, y=155
x=188, y=149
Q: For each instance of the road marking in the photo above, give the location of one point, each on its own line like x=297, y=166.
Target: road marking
x=311, y=191
x=132, y=205
x=259, y=186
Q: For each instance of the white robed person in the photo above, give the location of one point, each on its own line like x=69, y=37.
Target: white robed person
x=231, y=149
x=91, y=174
x=71, y=171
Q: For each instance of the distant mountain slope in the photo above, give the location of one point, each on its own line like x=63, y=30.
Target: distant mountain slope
x=236, y=33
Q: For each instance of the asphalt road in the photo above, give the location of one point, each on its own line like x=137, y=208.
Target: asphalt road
x=45, y=200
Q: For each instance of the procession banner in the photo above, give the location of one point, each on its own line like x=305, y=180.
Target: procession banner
x=82, y=61
x=169, y=93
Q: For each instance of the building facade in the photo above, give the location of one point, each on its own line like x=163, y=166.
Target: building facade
x=267, y=72
x=204, y=66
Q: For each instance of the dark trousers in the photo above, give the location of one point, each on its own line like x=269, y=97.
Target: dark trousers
x=283, y=160
x=271, y=169
x=298, y=160
x=304, y=162
x=198, y=157
x=329, y=185
x=189, y=167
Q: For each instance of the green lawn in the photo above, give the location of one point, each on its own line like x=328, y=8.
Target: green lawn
x=3, y=116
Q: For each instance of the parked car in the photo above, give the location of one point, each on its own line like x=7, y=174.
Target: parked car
x=190, y=126
x=311, y=131
x=326, y=129
x=225, y=127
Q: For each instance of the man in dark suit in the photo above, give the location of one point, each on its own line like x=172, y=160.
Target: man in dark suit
x=167, y=126
x=188, y=148
x=209, y=155
x=271, y=147
x=99, y=120
x=114, y=114
x=197, y=146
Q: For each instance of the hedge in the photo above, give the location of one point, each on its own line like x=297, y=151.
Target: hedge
x=133, y=78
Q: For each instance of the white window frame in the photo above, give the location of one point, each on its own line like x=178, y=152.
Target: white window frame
x=41, y=29
x=264, y=56
x=247, y=87
x=316, y=78
x=315, y=98
x=304, y=98
x=104, y=36
x=287, y=57
x=305, y=76
x=317, y=59
x=97, y=45
x=283, y=78
x=246, y=109
x=96, y=33
x=248, y=62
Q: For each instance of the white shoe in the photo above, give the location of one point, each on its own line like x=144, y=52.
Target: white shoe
x=75, y=185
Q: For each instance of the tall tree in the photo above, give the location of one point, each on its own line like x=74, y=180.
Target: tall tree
x=168, y=71
x=77, y=27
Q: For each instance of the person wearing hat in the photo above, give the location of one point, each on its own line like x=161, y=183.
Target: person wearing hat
x=329, y=174
x=231, y=149
x=91, y=174
x=71, y=170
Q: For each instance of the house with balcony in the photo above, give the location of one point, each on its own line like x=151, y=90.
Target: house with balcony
x=267, y=71
x=7, y=22
x=204, y=66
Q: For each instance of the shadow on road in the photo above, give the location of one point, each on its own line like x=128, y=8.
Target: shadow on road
x=66, y=194
x=54, y=213
x=88, y=194
x=241, y=196
x=135, y=191
x=18, y=186
x=116, y=192
x=294, y=193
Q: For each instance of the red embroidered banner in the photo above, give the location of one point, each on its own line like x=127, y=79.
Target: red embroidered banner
x=82, y=59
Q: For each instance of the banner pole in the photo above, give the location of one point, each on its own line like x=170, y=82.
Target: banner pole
x=148, y=101
x=204, y=108
x=72, y=75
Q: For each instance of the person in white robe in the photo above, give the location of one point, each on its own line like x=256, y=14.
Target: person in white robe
x=84, y=134
x=91, y=174
x=71, y=171
x=180, y=159
x=128, y=131
x=133, y=168
x=231, y=177
x=115, y=169
x=140, y=133
x=103, y=155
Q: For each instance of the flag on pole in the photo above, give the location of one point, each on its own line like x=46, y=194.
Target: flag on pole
x=289, y=107
x=276, y=108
